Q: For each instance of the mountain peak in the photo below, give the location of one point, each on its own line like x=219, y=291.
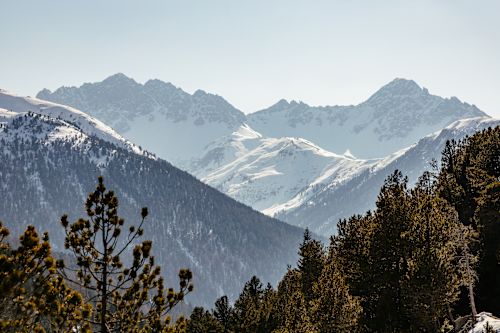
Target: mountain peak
x=118, y=78
x=400, y=87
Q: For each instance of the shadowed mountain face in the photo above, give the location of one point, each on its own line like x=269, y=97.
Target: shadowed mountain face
x=48, y=165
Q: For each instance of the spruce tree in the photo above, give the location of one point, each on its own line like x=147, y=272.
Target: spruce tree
x=248, y=308
x=132, y=298
x=351, y=247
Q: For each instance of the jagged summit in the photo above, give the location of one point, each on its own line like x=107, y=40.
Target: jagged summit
x=160, y=116
x=157, y=115
x=395, y=116
x=119, y=78
x=398, y=88
x=283, y=105
x=402, y=86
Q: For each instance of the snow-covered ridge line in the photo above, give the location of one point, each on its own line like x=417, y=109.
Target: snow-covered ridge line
x=274, y=174
x=15, y=104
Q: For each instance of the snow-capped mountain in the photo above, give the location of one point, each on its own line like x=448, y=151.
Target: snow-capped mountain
x=50, y=157
x=281, y=160
x=273, y=175
x=86, y=124
x=357, y=195
x=164, y=119
x=177, y=126
x=225, y=150
x=396, y=116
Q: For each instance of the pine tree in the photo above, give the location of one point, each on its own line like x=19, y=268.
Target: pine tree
x=202, y=321
x=386, y=301
x=33, y=296
x=248, y=307
x=335, y=310
x=133, y=298
x=292, y=308
x=434, y=277
x=224, y=313
x=310, y=265
x=469, y=181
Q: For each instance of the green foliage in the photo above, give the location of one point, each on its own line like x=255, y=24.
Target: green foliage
x=202, y=321
x=335, y=309
x=224, y=313
x=436, y=240
x=34, y=297
x=310, y=265
x=131, y=298
x=253, y=309
x=470, y=182
x=292, y=309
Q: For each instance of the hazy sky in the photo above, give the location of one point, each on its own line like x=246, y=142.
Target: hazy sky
x=254, y=53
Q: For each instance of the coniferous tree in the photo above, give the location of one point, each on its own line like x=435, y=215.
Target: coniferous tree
x=335, y=310
x=434, y=276
x=33, y=296
x=351, y=247
x=386, y=302
x=224, y=313
x=310, y=265
x=292, y=308
x=202, y=321
x=248, y=308
x=133, y=298
x=469, y=181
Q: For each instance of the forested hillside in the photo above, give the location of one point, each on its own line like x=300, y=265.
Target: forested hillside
x=48, y=166
x=424, y=260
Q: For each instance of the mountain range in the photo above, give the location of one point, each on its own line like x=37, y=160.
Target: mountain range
x=51, y=156
x=306, y=165
x=158, y=116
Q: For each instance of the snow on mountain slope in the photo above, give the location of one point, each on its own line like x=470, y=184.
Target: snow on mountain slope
x=225, y=150
x=357, y=195
x=75, y=120
x=177, y=125
x=278, y=174
x=164, y=119
x=396, y=116
x=48, y=165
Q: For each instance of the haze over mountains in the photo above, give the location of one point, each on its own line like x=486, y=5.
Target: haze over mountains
x=50, y=157
x=308, y=166
x=300, y=163
x=397, y=115
x=158, y=115
x=327, y=204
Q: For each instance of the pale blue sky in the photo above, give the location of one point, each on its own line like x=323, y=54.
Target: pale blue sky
x=254, y=53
